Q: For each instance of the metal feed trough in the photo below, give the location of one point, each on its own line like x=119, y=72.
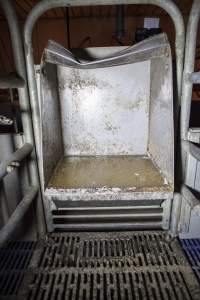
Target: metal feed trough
x=107, y=139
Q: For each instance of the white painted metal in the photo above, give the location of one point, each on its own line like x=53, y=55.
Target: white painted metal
x=124, y=109
x=105, y=111
x=192, y=170
x=194, y=135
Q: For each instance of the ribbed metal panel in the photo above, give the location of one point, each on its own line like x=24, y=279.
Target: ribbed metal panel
x=107, y=218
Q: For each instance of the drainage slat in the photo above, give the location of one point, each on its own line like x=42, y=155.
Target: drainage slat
x=101, y=266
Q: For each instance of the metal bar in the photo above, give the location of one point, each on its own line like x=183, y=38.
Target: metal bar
x=110, y=216
x=26, y=114
x=189, y=203
x=108, y=226
x=109, y=208
x=192, y=163
x=17, y=215
x=185, y=217
x=191, y=200
x=166, y=205
x=11, y=81
x=19, y=155
x=45, y=5
x=190, y=148
x=120, y=26
x=194, y=77
x=194, y=135
x=175, y=215
x=190, y=51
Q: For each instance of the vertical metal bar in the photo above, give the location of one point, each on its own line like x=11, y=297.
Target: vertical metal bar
x=18, y=55
x=175, y=215
x=120, y=31
x=185, y=217
x=190, y=51
x=166, y=205
x=187, y=86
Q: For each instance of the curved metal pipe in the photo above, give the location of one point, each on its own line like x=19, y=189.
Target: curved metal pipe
x=25, y=108
x=45, y=5
x=16, y=157
x=17, y=215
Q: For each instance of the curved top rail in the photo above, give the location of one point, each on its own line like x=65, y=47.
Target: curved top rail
x=167, y=5
x=190, y=51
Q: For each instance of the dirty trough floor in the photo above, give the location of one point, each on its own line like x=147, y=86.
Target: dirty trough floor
x=112, y=265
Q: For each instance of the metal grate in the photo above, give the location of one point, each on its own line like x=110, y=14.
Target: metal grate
x=112, y=265
x=192, y=249
x=14, y=260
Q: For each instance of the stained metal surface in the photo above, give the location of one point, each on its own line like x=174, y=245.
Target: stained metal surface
x=121, y=176
x=51, y=130
x=101, y=109
x=93, y=217
x=161, y=115
x=134, y=172
x=103, y=113
x=117, y=265
x=192, y=165
x=40, y=8
x=100, y=113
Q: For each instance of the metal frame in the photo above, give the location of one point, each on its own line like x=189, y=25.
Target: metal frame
x=44, y=5
x=7, y=167
x=189, y=77
x=30, y=172
x=190, y=152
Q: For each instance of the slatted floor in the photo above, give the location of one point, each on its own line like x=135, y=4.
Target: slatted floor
x=192, y=250
x=112, y=265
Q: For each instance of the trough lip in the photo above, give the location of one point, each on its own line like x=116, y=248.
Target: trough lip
x=164, y=192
